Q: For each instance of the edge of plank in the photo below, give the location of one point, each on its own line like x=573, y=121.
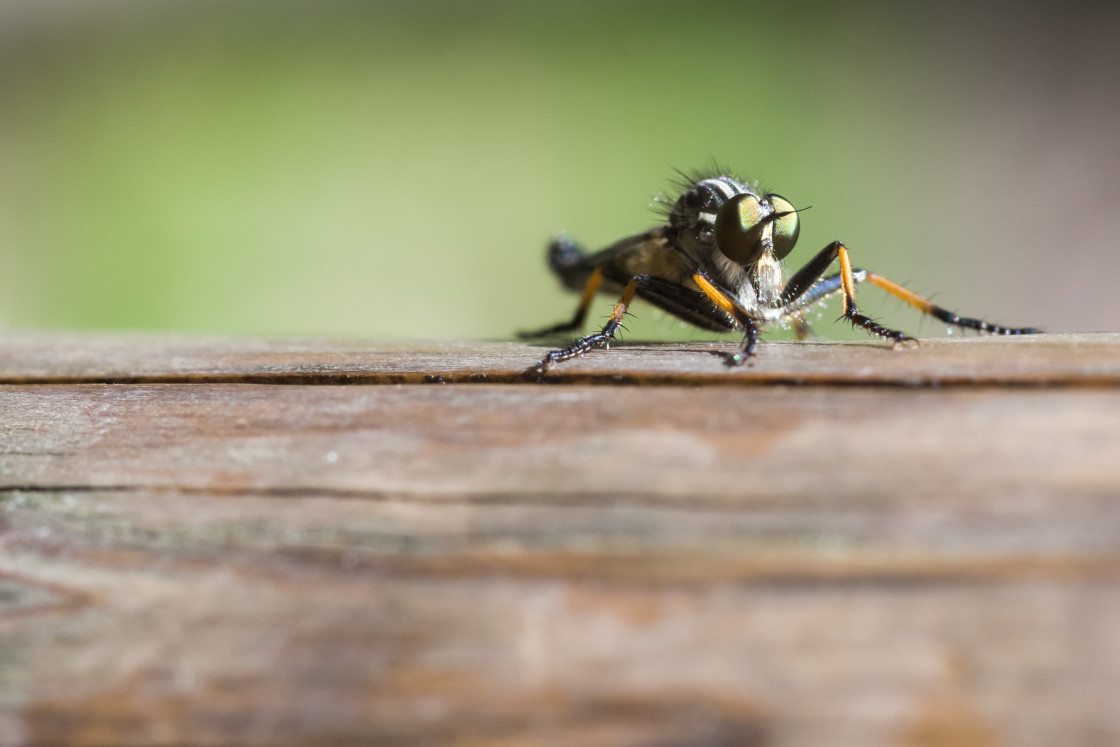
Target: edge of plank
x=1054, y=360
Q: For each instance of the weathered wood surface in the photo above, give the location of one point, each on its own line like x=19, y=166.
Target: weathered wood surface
x=1042, y=360
x=914, y=547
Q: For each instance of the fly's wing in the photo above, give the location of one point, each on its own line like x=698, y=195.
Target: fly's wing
x=669, y=287
x=574, y=266
x=649, y=254
x=689, y=305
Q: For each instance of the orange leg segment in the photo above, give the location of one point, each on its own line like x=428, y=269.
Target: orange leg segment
x=600, y=339
x=721, y=299
x=896, y=290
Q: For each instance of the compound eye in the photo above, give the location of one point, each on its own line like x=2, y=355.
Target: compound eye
x=739, y=229
x=786, y=227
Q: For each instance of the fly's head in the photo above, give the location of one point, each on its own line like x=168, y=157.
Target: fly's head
x=723, y=215
x=750, y=227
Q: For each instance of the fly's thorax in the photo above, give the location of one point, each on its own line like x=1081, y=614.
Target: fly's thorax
x=692, y=218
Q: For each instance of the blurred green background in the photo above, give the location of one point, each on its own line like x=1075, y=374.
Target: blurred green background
x=394, y=169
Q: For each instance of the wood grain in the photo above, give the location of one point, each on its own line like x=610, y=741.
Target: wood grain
x=1091, y=359
x=842, y=544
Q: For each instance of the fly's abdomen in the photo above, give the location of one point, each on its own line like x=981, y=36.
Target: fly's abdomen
x=566, y=258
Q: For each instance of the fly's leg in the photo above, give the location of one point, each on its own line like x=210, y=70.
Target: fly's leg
x=797, y=299
x=928, y=307
x=804, y=279
x=819, y=291
x=600, y=339
x=724, y=300
x=750, y=342
x=801, y=327
x=576, y=322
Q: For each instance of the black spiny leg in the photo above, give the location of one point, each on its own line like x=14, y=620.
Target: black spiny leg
x=804, y=279
x=750, y=342
x=833, y=284
x=723, y=300
x=928, y=307
x=600, y=339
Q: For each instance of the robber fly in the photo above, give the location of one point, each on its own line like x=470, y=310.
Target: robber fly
x=717, y=264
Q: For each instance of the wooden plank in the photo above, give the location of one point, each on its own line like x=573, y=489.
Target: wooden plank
x=862, y=562
x=709, y=444
x=1090, y=359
